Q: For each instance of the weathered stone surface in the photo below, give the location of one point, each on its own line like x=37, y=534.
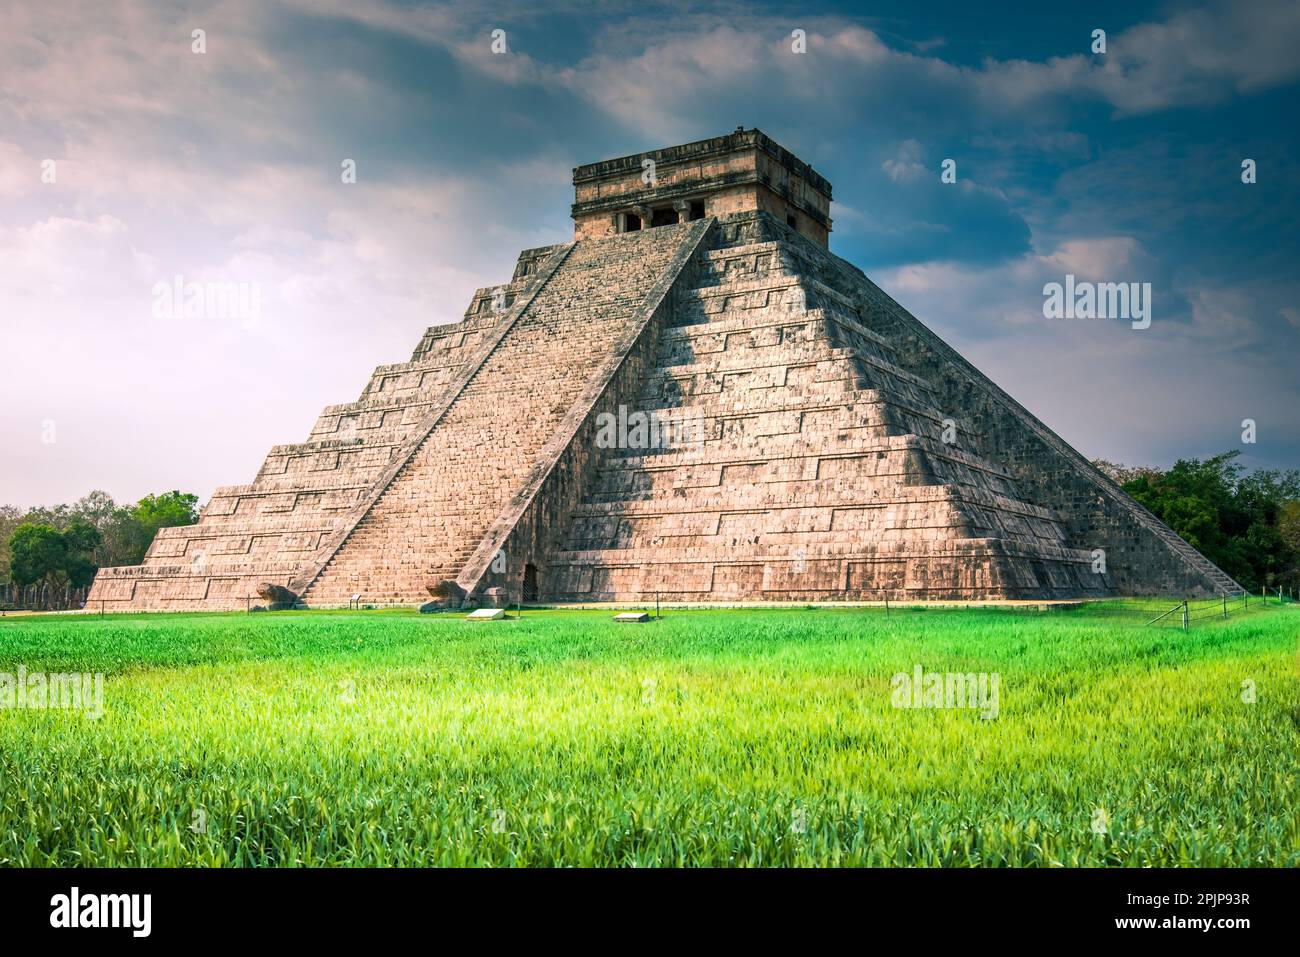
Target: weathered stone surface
x=447, y=591
x=497, y=597
x=277, y=597
x=800, y=437
x=632, y=617
x=744, y=171
x=486, y=614
x=275, y=594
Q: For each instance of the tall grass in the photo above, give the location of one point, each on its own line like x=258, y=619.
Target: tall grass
x=752, y=737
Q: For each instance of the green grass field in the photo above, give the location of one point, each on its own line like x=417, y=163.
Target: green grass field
x=742, y=737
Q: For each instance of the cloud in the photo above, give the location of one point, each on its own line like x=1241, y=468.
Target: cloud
x=225, y=166
x=1150, y=396
x=905, y=166
x=1201, y=56
x=19, y=173
x=1105, y=259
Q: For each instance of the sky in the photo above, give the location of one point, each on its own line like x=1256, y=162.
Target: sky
x=226, y=165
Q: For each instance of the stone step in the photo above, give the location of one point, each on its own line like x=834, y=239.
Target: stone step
x=476, y=455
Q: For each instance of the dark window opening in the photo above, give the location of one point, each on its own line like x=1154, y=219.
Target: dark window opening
x=631, y=222
x=530, y=583
x=791, y=221
x=663, y=217
x=697, y=209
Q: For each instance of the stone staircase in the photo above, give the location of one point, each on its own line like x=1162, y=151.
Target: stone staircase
x=425, y=522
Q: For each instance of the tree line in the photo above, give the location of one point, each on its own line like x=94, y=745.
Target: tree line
x=1247, y=523
x=59, y=549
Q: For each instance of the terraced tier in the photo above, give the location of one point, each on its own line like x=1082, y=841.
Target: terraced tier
x=426, y=521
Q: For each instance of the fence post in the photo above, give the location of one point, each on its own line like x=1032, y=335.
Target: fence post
x=1184, y=616
x=1225, y=606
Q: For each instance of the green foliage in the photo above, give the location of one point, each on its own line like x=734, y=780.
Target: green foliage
x=37, y=553
x=10, y=518
x=166, y=510
x=80, y=540
x=1235, y=520
x=562, y=738
x=122, y=534
x=42, y=553
x=1288, y=524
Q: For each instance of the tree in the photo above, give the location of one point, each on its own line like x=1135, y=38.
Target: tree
x=96, y=507
x=122, y=537
x=1288, y=524
x=1233, y=519
x=80, y=539
x=10, y=518
x=96, y=531
x=166, y=510
x=42, y=553
x=55, y=516
x=1288, y=528
x=37, y=552
x=1122, y=474
x=159, y=511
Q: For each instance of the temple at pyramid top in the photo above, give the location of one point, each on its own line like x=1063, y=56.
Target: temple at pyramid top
x=744, y=171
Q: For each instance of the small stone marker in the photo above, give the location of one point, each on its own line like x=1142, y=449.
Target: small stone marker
x=486, y=614
x=636, y=616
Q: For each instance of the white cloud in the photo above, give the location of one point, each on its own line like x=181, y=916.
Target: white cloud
x=1112, y=391
x=905, y=165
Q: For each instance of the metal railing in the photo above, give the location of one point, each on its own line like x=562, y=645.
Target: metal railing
x=1154, y=612
x=1187, y=612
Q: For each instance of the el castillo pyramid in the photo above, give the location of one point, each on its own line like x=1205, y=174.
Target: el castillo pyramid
x=695, y=400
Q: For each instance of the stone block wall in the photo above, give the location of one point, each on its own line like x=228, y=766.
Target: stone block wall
x=1142, y=555
x=817, y=468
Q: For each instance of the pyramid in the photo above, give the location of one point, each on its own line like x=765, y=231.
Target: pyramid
x=694, y=400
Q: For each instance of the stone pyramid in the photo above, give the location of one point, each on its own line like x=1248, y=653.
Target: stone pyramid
x=694, y=400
